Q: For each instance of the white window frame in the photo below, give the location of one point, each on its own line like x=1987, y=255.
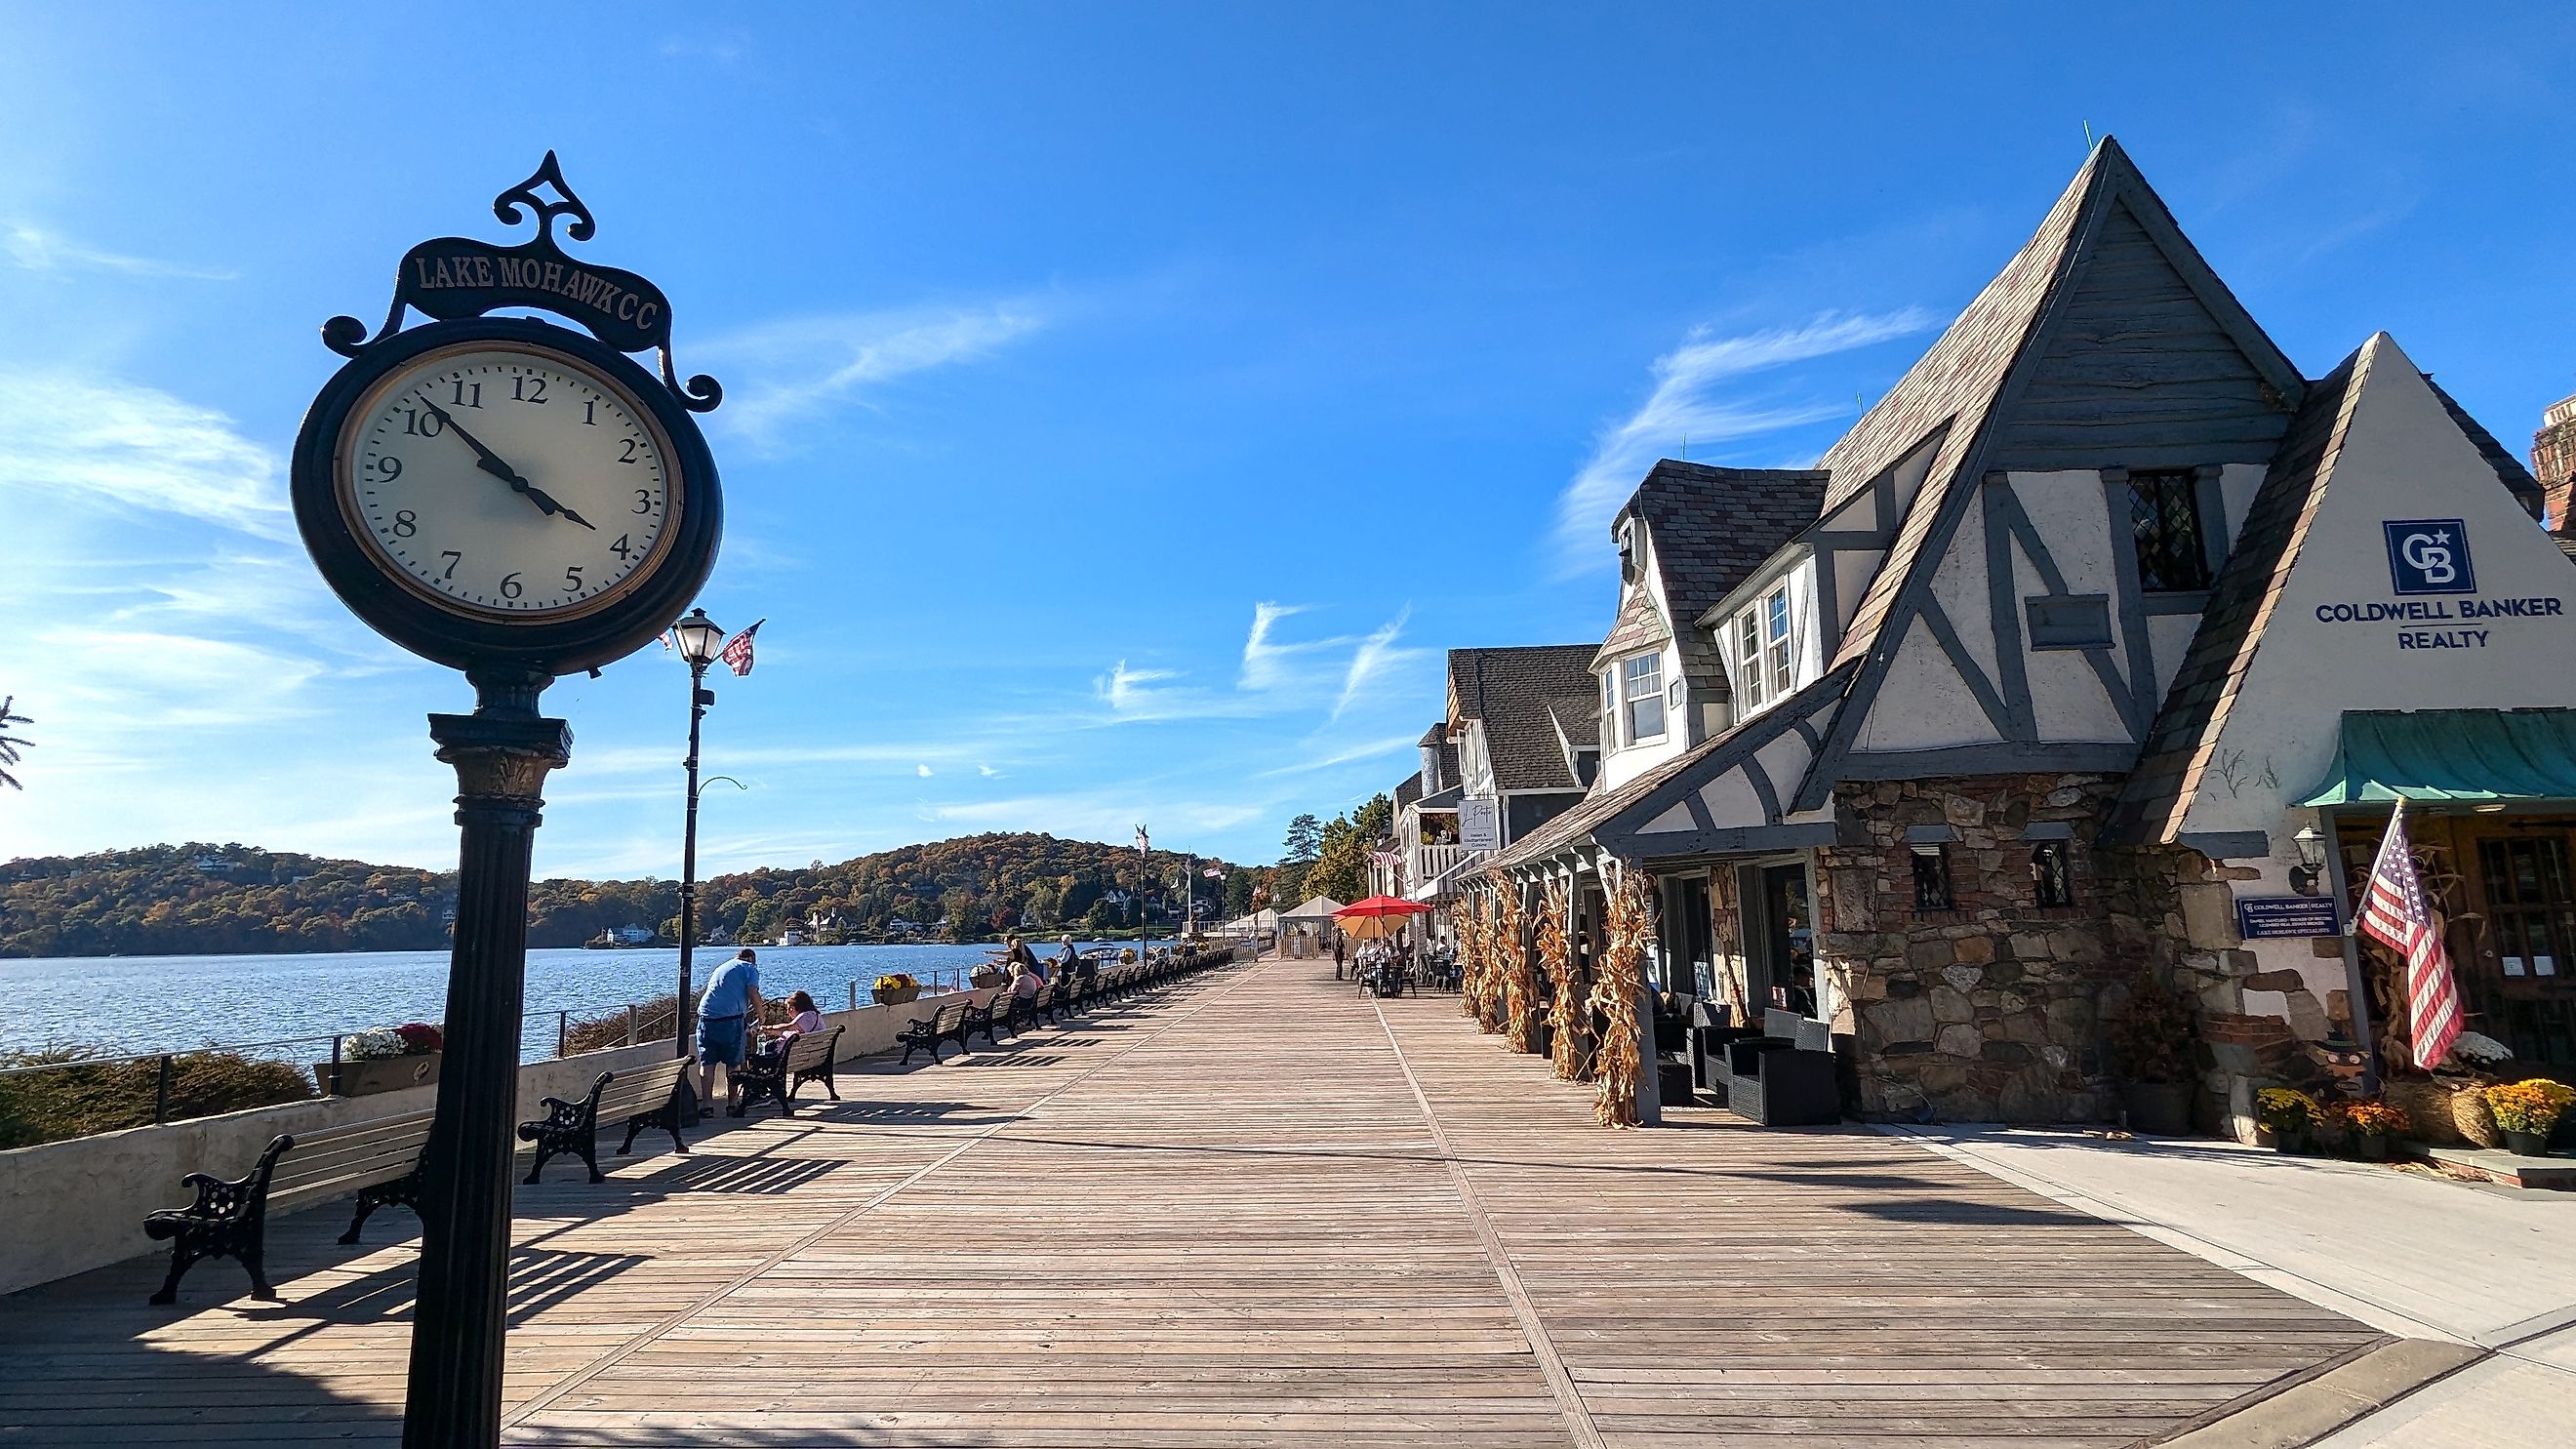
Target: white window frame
x=1761, y=647
x=1639, y=687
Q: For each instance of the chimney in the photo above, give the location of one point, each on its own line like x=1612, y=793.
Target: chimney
x=2553, y=462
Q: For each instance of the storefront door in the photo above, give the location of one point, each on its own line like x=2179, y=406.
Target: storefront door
x=2518, y=980
x=1779, y=938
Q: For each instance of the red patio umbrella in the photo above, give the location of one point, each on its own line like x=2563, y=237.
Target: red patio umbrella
x=1378, y=916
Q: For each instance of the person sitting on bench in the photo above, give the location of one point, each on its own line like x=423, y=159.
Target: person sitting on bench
x=732, y=1000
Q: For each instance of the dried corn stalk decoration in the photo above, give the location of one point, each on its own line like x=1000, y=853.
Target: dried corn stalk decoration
x=1630, y=924
x=1520, y=988
x=1470, y=950
x=1556, y=957
x=1489, y=1003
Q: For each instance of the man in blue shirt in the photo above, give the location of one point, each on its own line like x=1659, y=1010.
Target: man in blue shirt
x=725, y=1012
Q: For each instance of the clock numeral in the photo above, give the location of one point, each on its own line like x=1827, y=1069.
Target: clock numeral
x=468, y=394
x=572, y=579
x=632, y=447
x=620, y=548
x=388, y=467
x=406, y=523
x=526, y=389
x=590, y=412
x=643, y=500
x=453, y=559
x=510, y=586
x=420, y=424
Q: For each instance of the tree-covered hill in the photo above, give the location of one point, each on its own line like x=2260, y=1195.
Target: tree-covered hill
x=221, y=899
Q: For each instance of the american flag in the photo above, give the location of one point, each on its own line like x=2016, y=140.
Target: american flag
x=1214, y=872
x=2393, y=913
x=1388, y=858
x=737, y=650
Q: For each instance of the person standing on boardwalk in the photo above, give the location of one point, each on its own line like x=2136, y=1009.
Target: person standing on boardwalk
x=1337, y=956
x=725, y=1012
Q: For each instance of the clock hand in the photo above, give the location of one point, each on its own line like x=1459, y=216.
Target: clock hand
x=492, y=463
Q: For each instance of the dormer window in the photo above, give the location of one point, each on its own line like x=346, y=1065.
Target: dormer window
x=1641, y=686
x=1757, y=647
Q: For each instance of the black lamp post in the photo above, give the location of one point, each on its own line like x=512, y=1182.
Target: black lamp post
x=699, y=638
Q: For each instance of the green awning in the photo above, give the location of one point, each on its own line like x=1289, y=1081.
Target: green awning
x=2451, y=754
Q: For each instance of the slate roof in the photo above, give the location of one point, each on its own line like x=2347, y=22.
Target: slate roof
x=1709, y=529
x=2509, y=470
x=2185, y=735
x=1509, y=690
x=1637, y=626
x=1408, y=792
x=1578, y=718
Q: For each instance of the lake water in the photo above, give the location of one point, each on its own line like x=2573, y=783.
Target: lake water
x=133, y=1004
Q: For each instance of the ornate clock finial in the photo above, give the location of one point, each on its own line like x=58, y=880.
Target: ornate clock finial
x=548, y=173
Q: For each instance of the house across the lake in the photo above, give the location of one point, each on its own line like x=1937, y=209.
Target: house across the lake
x=2100, y=646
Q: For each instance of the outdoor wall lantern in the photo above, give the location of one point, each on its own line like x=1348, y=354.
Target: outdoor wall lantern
x=2312, y=856
x=700, y=637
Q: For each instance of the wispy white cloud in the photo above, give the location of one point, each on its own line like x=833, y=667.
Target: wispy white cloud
x=1267, y=663
x=796, y=368
x=1350, y=755
x=96, y=440
x=1684, y=405
x=924, y=771
x=35, y=249
x=1374, y=659
x=988, y=772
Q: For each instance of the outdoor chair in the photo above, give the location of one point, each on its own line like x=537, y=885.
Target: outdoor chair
x=1784, y=1077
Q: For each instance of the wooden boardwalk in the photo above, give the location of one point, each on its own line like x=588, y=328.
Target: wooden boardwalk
x=1259, y=1210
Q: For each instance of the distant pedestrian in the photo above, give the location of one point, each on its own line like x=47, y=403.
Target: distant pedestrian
x=731, y=1002
x=1021, y=958
x=1338, y=957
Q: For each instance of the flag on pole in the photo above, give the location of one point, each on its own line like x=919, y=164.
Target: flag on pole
x=737, y=650
x=1214, y=872
x=2394, y=913
x=1144, y=843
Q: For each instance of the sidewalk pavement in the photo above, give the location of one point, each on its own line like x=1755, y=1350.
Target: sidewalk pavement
x=2407, y=1253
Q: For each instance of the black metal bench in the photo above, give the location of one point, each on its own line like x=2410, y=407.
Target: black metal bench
x=946, y=1024
x=777, y=1075
x=991, y=1018
x=644, y=1096
x=378, y=1159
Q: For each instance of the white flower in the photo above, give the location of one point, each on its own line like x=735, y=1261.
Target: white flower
x=2471, y=1046
x=373, y=1044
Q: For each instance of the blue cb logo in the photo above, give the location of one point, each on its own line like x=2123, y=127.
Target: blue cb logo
x=2430, y=556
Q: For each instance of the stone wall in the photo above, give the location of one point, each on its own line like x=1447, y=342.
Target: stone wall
x=1990, y=1011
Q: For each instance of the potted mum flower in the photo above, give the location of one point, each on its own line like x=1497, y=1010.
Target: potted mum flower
x=383, y=1059
x=2368, y=1124
x=2290, y=1115
x=896, y=988
x=2526, y=1112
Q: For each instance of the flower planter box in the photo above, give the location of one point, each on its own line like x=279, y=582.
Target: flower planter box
x=380, y=1074
x=895, y=995
x=2526, y=1144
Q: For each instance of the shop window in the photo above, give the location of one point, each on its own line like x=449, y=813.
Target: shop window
x=1932, y=877
x=2052, y=872
x=2164, y=518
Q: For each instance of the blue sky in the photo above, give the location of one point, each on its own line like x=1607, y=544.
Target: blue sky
x=1126, y=404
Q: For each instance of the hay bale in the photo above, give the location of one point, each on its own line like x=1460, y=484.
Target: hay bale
x=2475, y=1119
x=2427, y=1104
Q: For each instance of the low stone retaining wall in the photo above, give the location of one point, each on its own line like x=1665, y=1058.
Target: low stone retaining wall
x=77, y=1205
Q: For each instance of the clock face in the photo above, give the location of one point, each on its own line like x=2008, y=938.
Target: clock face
x=507, y=481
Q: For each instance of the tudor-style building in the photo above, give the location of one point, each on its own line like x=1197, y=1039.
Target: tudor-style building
x=2089, y=618
x=1515, y=749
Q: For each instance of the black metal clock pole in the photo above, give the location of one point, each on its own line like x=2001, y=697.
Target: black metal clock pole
x=501, y=752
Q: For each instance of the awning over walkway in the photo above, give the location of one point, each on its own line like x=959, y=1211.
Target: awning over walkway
x=2451, y=754
x=1318, y=908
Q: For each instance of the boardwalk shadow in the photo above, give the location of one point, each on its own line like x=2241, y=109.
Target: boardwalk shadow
x=1952, y=1212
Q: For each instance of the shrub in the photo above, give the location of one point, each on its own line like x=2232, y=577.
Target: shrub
x=653, y=1022
x=79, y=1100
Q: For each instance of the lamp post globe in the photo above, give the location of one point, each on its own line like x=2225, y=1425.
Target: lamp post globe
x=699, y=638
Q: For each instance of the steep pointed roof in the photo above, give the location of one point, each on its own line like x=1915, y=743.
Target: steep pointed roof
x=2241, y=600
x=1509, y=690
x=1968, y=374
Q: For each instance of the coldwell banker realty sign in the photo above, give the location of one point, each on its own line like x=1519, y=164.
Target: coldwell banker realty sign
x=2430, y=556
